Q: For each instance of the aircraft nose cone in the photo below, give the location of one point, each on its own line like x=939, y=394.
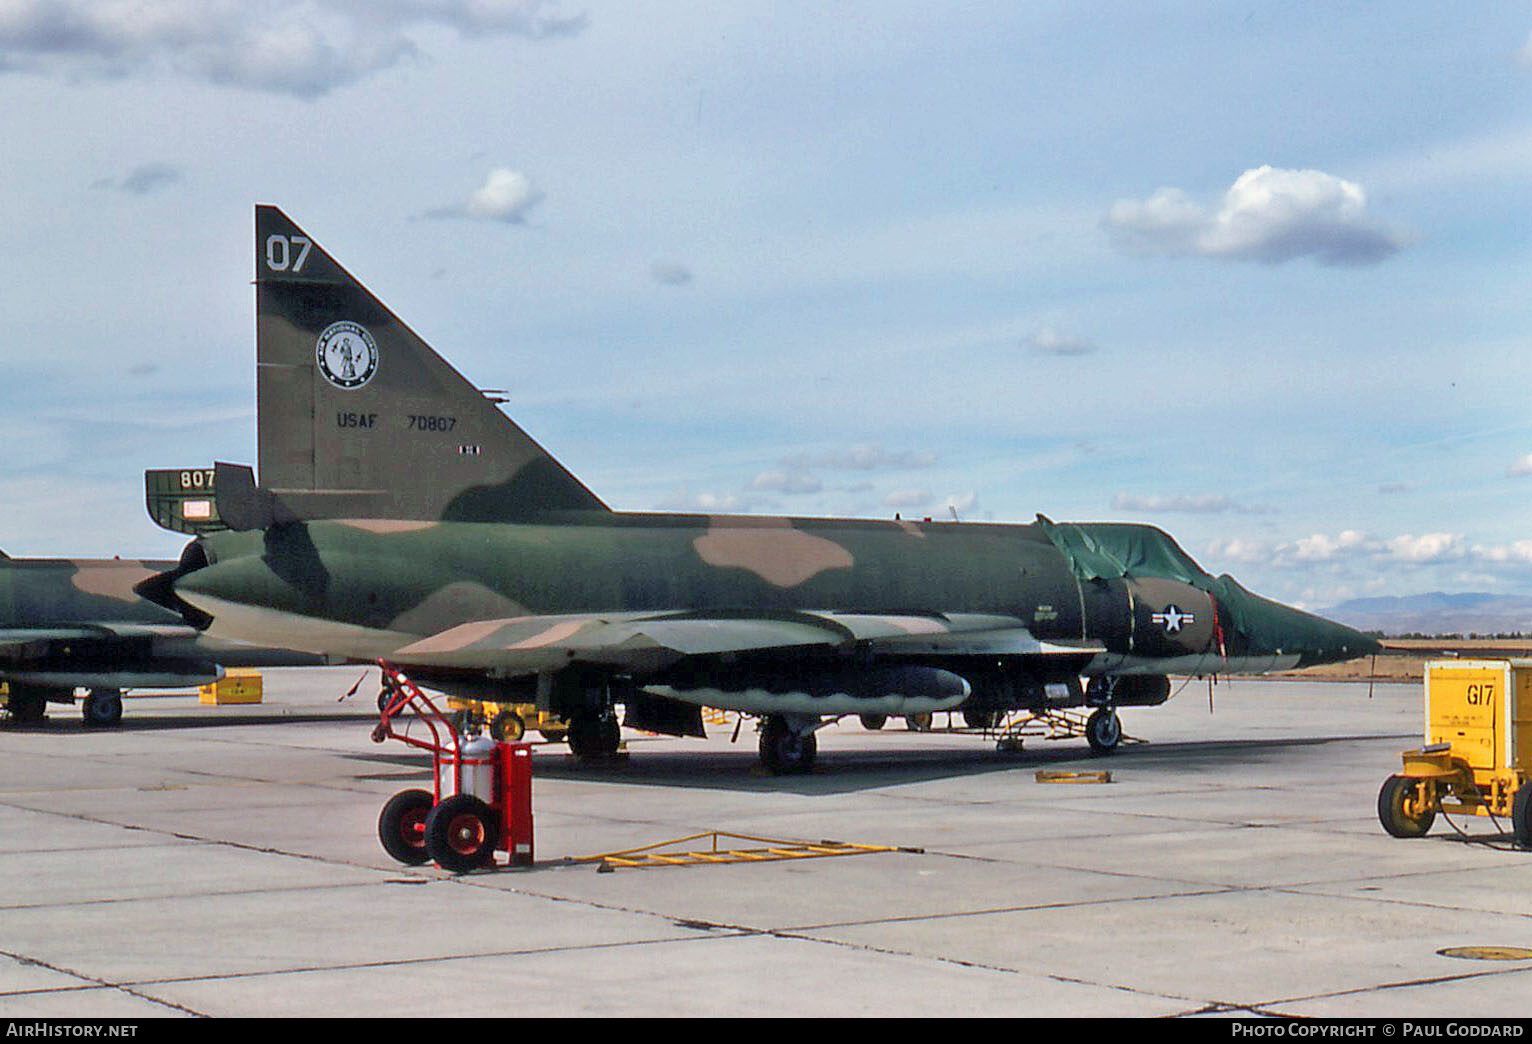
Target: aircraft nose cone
x=1317, y=640
x=1271, y=628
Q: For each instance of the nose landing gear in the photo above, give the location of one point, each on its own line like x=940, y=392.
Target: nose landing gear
x=1103, y=731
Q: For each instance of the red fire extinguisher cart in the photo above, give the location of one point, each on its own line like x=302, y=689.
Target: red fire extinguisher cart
x=480, y=801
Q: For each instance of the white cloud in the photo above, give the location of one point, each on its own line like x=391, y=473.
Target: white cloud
x=1428, y=547
x=1518, y=552
x=506, y=196
x=1237, y=550
x=300, y=47
x=908, y=498
x=1321, y=547
x=1204, y=504
x=1193, y=504
x=684, y=500
x=1521, y=467
x=787, y=482
x=1269, y=214
x=1357, y=546
x=1048, y=341
x=863, y=458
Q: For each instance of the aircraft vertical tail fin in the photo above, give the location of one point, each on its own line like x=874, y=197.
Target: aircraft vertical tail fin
x=357, y=417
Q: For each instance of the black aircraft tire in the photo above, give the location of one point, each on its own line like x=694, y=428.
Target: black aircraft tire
x=461, y=834
x=102, y=709
x=873, y=722
x=1393, y=814
x=1103, y=731
x=981, y=719
x=27, y=706
x=785, y=752
x=1521, y=815
x=592, y=737
x=402, y=826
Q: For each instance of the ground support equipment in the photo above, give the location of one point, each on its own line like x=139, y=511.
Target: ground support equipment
x=1477, y=756
x=769, y=850
x=509, y=721
x=481, y=797
x=1100, y=728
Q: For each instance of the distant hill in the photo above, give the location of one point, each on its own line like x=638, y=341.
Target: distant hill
x=1437, y=613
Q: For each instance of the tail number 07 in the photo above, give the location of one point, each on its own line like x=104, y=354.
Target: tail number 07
x=287, y=253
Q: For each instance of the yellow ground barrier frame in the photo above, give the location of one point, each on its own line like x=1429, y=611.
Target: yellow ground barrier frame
x=649, y=856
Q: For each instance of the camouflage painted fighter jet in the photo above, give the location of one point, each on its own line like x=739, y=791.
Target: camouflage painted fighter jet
x=401, y=515
x=68, y=624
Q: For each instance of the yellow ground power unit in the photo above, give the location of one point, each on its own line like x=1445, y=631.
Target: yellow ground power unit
x=1477, y=755
x=236, y=686
x=508, y=722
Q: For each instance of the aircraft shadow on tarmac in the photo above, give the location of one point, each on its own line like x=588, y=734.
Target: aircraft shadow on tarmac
x=63, y=723
x=851, y=770
x=844, y=770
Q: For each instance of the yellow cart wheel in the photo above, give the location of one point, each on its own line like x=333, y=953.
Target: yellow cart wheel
x=1405, y=807
x=507, y=727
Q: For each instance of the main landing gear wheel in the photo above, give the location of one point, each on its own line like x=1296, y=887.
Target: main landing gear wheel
x=981, y=719
x=1103, y=731
x=873, y=722
x=786, y=751
x=593, y=737
x=461, y=834
x=402, y=826
x=27, y=705
x=103, y=708
x=1405, y=808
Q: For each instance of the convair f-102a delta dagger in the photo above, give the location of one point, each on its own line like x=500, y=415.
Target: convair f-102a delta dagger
x=400, y=515
x=78, y=623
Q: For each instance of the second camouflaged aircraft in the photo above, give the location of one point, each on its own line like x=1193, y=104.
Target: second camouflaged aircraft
x=77, y=623
x=402, y=516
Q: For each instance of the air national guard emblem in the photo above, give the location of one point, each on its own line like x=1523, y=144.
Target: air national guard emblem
x=347, y=355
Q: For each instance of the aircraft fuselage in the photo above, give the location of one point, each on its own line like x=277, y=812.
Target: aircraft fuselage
x=367, y=587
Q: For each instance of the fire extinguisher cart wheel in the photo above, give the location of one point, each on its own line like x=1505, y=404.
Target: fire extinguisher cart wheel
x=402, y=826
x=462, y=833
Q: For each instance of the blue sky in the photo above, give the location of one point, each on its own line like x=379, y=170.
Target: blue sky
x=1255, y=273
